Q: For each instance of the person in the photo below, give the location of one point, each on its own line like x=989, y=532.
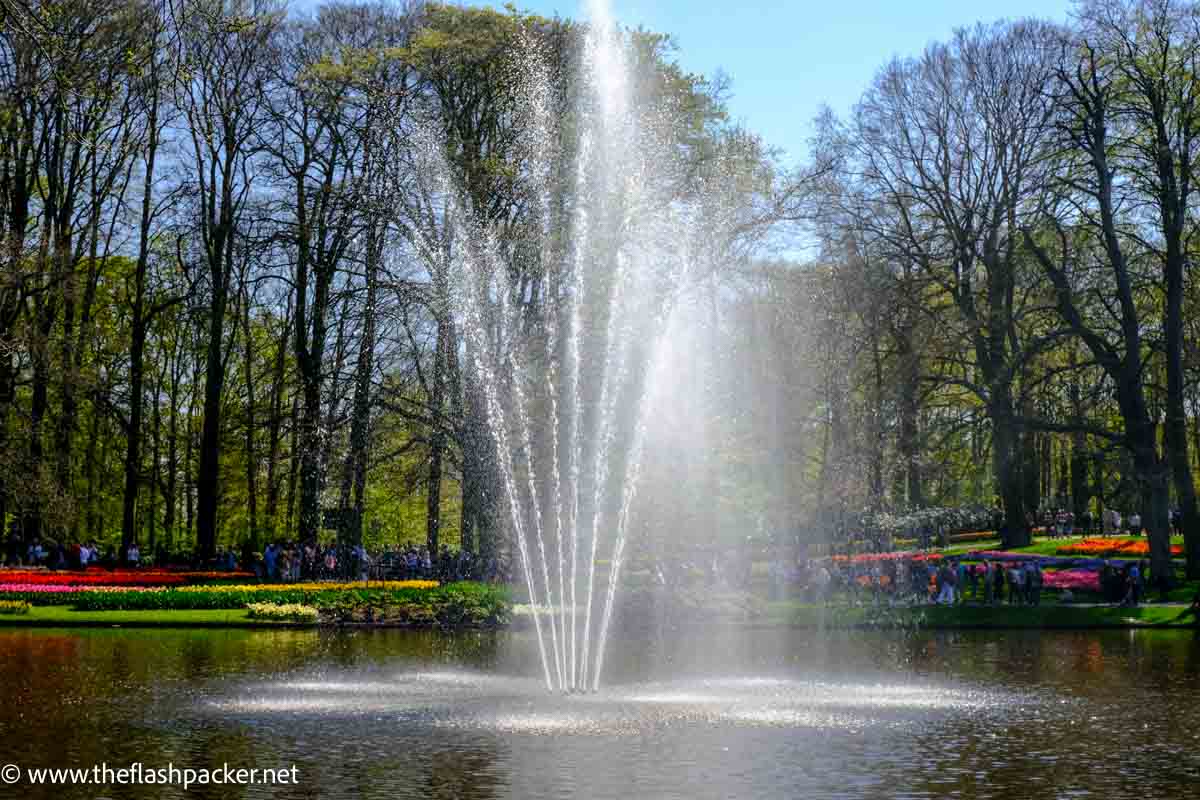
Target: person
x=999, y=583
x=973, y=577
x=1135, y=524
x=133, y=556
x=285, y=564
x=12, y=554
x=1108, y=583
x=947, y=577
x=988, y=578
x=269, y=557
x=1129, y=576
x=1016, y=584
x=1033, y=579
x=821, y=581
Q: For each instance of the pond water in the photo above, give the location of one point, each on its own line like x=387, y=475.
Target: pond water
x=689, y=713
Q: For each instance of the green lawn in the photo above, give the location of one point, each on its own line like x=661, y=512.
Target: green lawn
x=65, y=616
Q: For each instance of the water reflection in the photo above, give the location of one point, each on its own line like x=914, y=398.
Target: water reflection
x=689, y=714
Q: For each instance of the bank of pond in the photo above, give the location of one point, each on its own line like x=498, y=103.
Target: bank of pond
x=79, y=598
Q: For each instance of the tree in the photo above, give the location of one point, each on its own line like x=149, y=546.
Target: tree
x=947, y=152
x=224, y=48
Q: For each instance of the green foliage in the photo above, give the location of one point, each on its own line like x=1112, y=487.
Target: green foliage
x=15, y=607
x=453, y=604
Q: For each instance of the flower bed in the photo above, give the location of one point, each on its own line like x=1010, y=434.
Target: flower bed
x=94, y=576
x=45, y=594
x=239, y=595
x=13, y=607
x=1077, y=580
x=904, y=555
x=99, y=598
x=289, y=612
x=977, y=536
x=418, y=603
x=1127, y=548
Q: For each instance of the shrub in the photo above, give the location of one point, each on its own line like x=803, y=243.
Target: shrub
x=15, y=606
x=401, y=602
x=239, y=595
x=288, y=612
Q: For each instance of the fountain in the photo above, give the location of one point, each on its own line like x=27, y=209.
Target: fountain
x=582, y=373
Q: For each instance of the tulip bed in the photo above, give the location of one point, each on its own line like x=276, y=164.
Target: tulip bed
x=416, y=603
x=47, y=594
x=1117, y=548
x=289, y=612
x=94, y=576
x=1077, y=580
x=239, y=595
x=869, y=558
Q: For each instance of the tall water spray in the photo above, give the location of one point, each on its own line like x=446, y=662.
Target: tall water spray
x=565, y=392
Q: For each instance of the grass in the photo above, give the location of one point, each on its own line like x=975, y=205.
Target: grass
x=65, y=616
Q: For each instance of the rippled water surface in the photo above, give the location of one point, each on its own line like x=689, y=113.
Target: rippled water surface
x=693, y=713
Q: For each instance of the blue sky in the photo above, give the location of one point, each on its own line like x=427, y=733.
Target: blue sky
x=787, y=58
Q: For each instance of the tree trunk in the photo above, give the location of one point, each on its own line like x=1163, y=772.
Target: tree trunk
x=189, y=481
x=355, y=476
x=437, y=441
x=133, y=435
x=1006, y=469
x=155, y=467
x=1176, y=425
x=274, y=434
x=39, y=404
x=208, y=477
x=170, y=499
x=294, y=473
x=90, y=468
x=251, y=458
x=909, y=440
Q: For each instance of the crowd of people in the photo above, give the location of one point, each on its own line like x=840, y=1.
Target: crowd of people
x=1109, y=522
x=292, y=561
x=54, y=555
x=923, y=581
x=947, y=582
x=279, y=561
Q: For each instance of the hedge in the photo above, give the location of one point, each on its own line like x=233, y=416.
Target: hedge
x=452, y=604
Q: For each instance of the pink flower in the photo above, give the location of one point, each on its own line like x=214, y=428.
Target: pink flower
x=1086, y=580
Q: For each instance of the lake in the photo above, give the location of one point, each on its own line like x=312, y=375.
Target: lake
x=690, y=713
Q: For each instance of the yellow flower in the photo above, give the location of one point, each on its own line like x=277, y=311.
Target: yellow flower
x=317, y=586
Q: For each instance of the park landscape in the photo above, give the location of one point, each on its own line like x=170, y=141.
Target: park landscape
x=456, y=401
